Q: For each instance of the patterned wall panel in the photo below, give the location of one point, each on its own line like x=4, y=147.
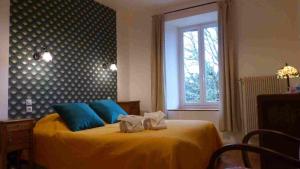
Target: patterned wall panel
x=81, y=36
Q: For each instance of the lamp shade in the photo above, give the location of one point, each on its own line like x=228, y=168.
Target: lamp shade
x=287, y=72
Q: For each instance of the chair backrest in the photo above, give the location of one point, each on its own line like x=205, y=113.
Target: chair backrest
x=278, y=142
x=289, y=162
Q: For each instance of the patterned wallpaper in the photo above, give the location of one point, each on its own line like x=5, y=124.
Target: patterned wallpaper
x=81, y=36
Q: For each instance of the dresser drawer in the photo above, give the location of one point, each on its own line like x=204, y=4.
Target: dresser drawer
x=26, y=125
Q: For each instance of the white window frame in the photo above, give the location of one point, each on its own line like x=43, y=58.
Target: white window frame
x=203, y=104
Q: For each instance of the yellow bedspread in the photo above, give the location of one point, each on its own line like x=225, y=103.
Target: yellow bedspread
x=184, y=145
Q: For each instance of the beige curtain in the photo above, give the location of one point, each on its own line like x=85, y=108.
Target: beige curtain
x=230, y=119
x=157, y=64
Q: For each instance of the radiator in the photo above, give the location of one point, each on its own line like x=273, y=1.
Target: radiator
x=250, y=88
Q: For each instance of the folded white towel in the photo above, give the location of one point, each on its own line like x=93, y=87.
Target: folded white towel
x=131, y=124
x=155, y=121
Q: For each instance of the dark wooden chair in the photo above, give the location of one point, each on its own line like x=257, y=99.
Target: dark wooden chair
x=289, y=161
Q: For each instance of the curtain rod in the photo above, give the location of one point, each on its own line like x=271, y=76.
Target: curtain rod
x=189, y=7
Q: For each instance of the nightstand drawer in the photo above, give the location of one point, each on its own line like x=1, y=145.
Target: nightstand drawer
x=18, y=139
x=16, y=135
x=26, y=125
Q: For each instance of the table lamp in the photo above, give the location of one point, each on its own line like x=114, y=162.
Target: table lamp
x=287, y=72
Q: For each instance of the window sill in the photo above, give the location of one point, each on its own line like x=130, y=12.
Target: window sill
x=185, y=109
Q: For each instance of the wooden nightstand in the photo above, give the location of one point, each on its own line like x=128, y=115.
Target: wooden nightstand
x=131, y=107
x=16, y=136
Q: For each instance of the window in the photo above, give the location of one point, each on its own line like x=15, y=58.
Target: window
x=199, y=66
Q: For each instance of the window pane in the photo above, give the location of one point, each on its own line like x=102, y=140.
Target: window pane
x=211, y=64
x=191, y=67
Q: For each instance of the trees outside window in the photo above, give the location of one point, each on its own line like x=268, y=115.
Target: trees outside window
x=200, y=66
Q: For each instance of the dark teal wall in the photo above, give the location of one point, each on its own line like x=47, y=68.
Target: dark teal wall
x=80, y=34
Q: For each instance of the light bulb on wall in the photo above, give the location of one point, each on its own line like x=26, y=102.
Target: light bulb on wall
x=113, y=67
x=45, y=55
x=110, y=65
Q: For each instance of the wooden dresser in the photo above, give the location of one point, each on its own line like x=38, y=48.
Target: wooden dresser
x=16, y=136
x=131, y=107
x=282, y=113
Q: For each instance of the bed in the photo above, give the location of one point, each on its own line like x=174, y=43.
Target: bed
x=184, y=145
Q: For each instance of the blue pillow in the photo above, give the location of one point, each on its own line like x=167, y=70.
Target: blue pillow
x=108, y=110
x=78, y=116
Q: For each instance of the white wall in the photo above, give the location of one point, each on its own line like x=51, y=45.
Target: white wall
x=298, y=18
x=266, y=30
x=4, y=55
x=267, y=35
x=123, y=20
x=172, y=66
x=134, y=52
x=139, y=60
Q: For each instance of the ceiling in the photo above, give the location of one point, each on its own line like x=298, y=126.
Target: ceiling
x=151, y=3
x=142, y=4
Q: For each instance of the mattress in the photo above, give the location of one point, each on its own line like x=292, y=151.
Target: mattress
x=186, y=144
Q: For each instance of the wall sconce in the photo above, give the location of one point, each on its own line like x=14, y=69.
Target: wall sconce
x=112, y=66
x=45, y=55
